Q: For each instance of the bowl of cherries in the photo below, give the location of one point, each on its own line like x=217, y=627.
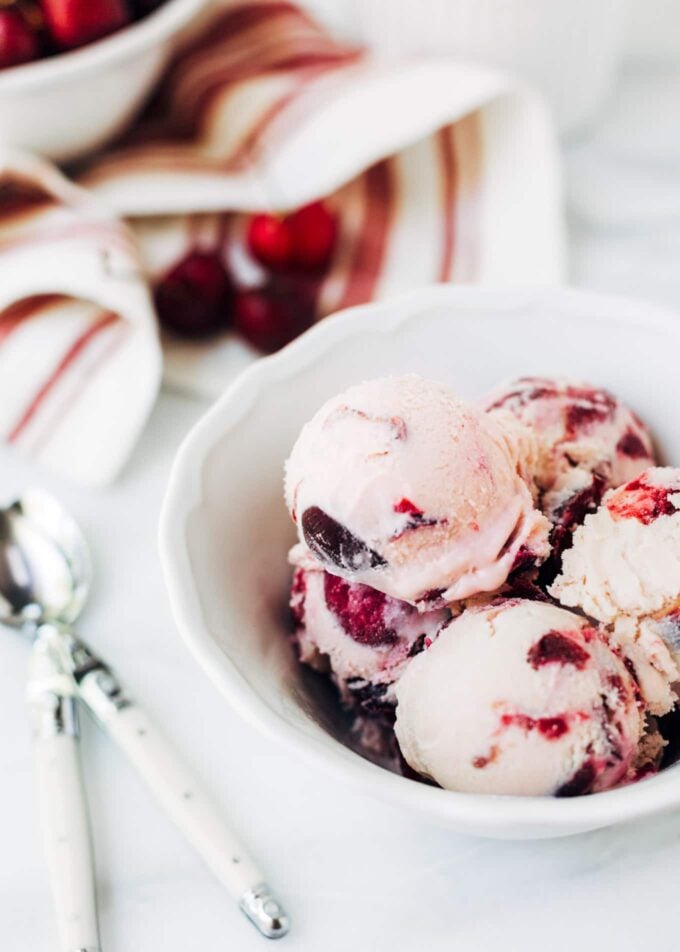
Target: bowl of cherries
x=74, y=72
x=263, y=284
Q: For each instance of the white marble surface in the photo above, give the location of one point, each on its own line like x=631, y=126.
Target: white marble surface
x=354, y=874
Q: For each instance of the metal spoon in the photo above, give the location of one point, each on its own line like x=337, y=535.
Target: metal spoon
x=36, y=602
x=44, y=580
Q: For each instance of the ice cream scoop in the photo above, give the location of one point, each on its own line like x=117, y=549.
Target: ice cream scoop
x=590, y=442
x=625, y=559
x=398, y=485
x=624, y=566
x=520, y=697
x=361, y=636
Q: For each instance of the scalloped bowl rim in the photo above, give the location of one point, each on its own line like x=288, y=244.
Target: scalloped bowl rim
x=545, y=815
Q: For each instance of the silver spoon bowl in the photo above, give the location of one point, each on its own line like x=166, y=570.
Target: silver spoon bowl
x=45, y=568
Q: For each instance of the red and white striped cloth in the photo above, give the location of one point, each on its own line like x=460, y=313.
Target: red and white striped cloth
x=439, y=171
x=80, y=361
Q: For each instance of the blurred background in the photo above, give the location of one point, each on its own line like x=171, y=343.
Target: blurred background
x=620, y=123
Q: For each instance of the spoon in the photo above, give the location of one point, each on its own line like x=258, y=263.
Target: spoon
x=33, y=603
x=45, y=577
x=61, y=798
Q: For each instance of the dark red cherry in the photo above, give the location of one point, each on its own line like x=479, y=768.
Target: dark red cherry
x=631, y=445
x=194, y=298
x=334, y=544
x=18, y=41
x=557, y=648
x=272, y=316
x=360, y=610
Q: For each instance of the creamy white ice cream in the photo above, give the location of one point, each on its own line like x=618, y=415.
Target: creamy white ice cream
x=590, y=440
x=624, y=569
x=520, y=698
x=625, y=559
x=399, y=485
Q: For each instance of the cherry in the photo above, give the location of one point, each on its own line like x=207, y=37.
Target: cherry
x=18, y=42
x=552, y=728
x=333, y=543
x=360, y=610
x=314, y=232
x=556, y=647
x=194, y=298
x=596, y=407
x=74, y=23
x=302, y=241
x=632, y=446
x=272, y=316
x=270, y=241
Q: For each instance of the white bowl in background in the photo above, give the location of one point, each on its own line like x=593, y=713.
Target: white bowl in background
x=71, y=103
x=225, y=531
x=569, y=49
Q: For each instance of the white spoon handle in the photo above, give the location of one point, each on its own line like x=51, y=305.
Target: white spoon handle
x=64, y=820
x=192, y=810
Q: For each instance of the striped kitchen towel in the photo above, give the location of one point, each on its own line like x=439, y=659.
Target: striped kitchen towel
x=436, y=170
x=80, y=361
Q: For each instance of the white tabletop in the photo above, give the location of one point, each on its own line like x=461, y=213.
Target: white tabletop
x=354, y=874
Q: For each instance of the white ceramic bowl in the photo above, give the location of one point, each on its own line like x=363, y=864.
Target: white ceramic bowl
x=69, y=104
x=225, y=531
x=569, y=49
